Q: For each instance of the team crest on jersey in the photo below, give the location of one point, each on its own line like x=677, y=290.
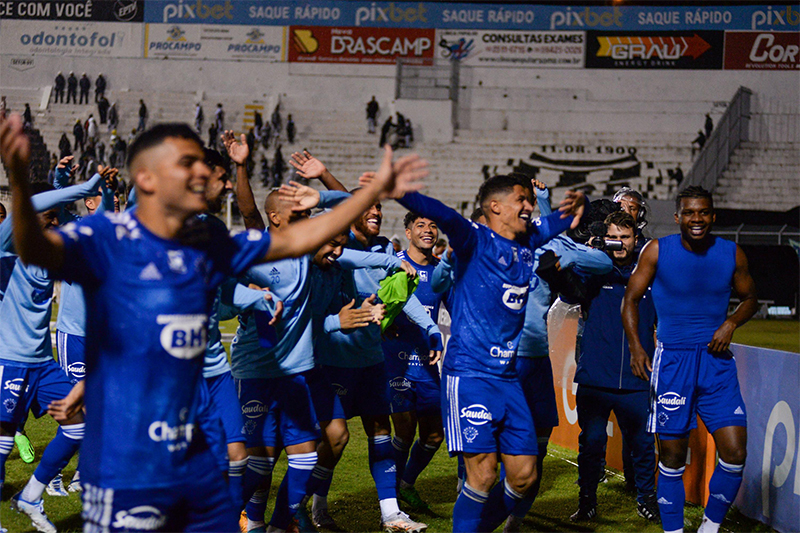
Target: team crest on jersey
x=176, y=261
x=662, y=418
x=14, y=386
x=527, y=256
x=183, y=336
x=470, y=433
x=514, y=297
x=423, y=276
x=10, y=404
x=250, y=426
x=141, y=518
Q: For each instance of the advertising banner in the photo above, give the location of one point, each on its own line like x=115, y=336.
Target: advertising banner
x=552, y=49
x=98, y=11
x=489, y=16
x=309, y=44
x=79, y=39
x=769, y=382
x=651, y=50
x=755, y=50
x=207, y=41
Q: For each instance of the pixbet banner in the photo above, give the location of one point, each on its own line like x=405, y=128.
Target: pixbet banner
x=309, y=44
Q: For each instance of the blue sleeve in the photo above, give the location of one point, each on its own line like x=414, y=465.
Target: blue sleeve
x=353, y=259
x=545, y=228
x=442, y=277
x=235, y=298
x=585, y=259
x=86, y=253
x=460, y=231
x=233, y=255
x=107, y=204
x=332, y=323
x=331, y=198
x=419, y=316
x=131, y=203
x=61, y=178
x=543, y=200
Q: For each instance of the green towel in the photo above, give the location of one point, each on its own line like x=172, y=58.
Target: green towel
x=395, y=292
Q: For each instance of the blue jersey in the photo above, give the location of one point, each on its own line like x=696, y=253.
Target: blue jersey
x=691, y=291
x=492, y=278
x=293, y=353
x=147, y=303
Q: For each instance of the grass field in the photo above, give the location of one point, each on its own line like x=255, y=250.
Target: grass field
x=354, y=500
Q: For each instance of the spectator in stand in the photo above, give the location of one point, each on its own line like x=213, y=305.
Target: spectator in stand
x=290, y=129
x=101, y=152
x=64, y=146
x=60, y=83
x=131, y=137
x=142, y=116
x=85, y=84
x=72, y=88
x=77, y=131
x=51, y=175
x=372, y=114
x=385, y=130
x=102, y=108
x=251, y=142
x=265, y=174
x=27, y=117
x=700, y=141
x=266, y=135
x=277, y=123
x=409, y=133
x=112, y=148
x=258, y=121
x=709, y=126
x=213, y=135
x=91, y=129
x=113, y=117
x=99, y=87
x=198, y=118
x=219, y=120
x=278, y=166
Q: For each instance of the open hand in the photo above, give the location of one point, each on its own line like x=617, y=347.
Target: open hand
x=307, y=165
x=302, y=197
x=237, y=151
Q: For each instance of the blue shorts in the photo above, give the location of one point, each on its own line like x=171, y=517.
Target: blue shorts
x=359, y=391
x=277, y=411
x=327, y=406
x=201, y=502
x=71, y=355
x=688, y=381
x=404, y=395
x=32, y=386
x=536, y=378
x=485, y=415
x=225, y=404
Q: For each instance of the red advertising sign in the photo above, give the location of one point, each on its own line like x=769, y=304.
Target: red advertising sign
x=762, y=50
x=317, y=44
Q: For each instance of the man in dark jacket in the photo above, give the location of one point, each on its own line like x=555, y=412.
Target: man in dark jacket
x=102, y=108
x=99, y=87
x=59, y=88
x=606, y=382
x=77, y=131
x=85, y=84
x=72, y=88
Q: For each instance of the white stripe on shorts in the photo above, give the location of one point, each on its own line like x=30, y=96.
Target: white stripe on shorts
x=454, y=443
x=651, y=419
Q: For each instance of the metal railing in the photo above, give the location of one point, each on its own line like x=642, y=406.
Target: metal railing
x=733, y=128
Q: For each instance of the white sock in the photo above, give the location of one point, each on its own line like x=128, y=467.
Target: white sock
x=253, y=524
x=707, y=526
x=319, y=503
x=675, y=531
x=389, y=507
x=33, y=490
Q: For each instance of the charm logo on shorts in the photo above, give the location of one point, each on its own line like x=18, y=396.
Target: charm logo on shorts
x=400, y=383
x=470, y=433
x=671, y=401
x=254, y=409
x=183, y=336
x=142, y=518
x=514, y=297
x=476, y=414
x=14, y=386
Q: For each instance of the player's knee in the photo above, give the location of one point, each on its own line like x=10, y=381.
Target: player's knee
x=523, y=478
x=482, y=479
x=433, y=440
x=734, y=455
x=237, y=453
x=338, y=439
x=672, y=458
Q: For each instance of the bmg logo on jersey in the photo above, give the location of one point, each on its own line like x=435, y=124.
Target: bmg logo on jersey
x=254, y=409
x=476, y=414
x=183, y=336
x=141, y=518
x=514, y=297
x=671, y=401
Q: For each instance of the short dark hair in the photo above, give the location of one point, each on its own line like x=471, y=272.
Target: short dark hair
x=694, y=191
x=501, y=184
x=476, y=214
x=38, y=187
x=156, y=135
x=410, y=218
x=621, y=219
x=214, y=159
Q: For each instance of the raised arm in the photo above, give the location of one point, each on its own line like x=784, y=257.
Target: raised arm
x=442, y=277
x=542, y=197
x=585, y=259
x=643, y=275
x=745, y=289
x=457, y=228
x=33, y=244
x=353, y=259
x=309, y=167
x=238, y=151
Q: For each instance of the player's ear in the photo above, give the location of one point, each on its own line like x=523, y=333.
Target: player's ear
x=145, y=180
x=274, y=218
x=494, y=206
x=677, y=220
x=408, y=234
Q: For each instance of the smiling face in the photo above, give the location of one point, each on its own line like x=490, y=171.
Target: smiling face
x=422, y=234
x=217, y=189
x=695, y=217
x=330, y=252
x=630, y=206
x=48, y=219
x=369, y=223
x=511, y=212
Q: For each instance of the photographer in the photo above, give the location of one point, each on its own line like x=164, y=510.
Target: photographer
x=604, y=378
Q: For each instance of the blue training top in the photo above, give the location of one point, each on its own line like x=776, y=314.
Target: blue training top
x=147, y=304
x=691, y=291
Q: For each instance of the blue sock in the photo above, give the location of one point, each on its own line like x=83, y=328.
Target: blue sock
x=259, y=469
x=236, y=470
x=421, y=455
x=400, y=448
x=55, y=457
x=320, y=482
x=671, y=497
x=6, y=445
x=467, y=510
x=461, y=472
x=501, y=501
x=525, y=504
x=293, y=488
x=381, y=464
x=722, y=489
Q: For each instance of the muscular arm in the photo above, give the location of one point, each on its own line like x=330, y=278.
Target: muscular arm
x=745, y=289
x=643, y=275
x=247, y=202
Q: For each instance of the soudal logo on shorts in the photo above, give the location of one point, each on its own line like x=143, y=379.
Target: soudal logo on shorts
x=514, y=297
x=400, y=383
x=341, y=390
x=183, y=336
x=671, y=401
x=77, y=370
x=142, y=518
x=254, y=409
x=476, y=414
x=14, y=386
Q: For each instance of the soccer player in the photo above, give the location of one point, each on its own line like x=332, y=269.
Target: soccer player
x=412, y=373
x=145, y=336
x=606, y=382
x=693, y=372
x=483, y=404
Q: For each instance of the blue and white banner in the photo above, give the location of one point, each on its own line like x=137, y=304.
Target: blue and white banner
x=445, y=15
x=770, y=381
